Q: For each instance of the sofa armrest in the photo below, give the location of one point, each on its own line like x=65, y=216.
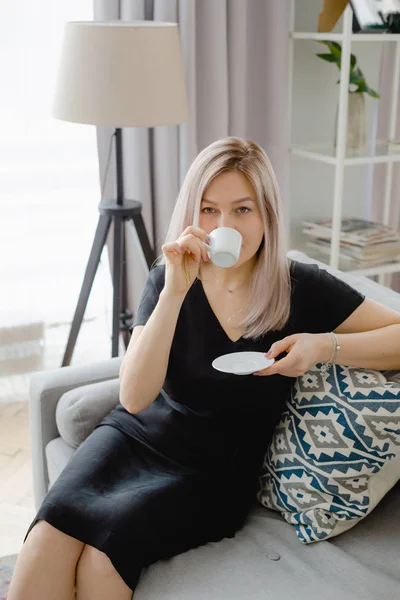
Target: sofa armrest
x=46, y=389
x=363, y=284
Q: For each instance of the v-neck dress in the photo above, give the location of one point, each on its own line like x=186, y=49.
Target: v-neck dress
x=184, y=471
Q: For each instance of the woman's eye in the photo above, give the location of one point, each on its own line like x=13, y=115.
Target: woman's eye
x=243, y=210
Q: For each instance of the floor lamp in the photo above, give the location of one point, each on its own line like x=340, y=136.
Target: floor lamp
x=118, y=74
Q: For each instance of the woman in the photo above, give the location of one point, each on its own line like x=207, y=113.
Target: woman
x=175, y=464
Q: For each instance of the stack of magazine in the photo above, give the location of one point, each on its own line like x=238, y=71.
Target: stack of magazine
x=363, y=243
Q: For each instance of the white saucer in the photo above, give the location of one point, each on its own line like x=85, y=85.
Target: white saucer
x=242, y=363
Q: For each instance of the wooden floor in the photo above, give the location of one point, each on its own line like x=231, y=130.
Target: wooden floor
x=16, y=488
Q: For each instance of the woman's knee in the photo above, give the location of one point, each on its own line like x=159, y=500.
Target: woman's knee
x=47, y=537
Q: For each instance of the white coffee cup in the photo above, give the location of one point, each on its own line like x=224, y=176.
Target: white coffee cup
x=225, y=245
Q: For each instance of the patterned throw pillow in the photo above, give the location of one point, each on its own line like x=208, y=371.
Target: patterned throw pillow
x=335, y=452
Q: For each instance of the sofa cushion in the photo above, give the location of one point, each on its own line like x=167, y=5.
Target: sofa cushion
x=79, y=410
x=58, y=454
x=362, y=563
x=335, y=452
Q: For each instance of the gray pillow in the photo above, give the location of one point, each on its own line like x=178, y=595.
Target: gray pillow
x=81, y=409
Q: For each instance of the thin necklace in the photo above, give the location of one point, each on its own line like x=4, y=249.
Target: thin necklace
x=227, y=289
x=231, y=292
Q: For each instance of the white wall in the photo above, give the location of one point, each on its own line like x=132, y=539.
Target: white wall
x=315, y=97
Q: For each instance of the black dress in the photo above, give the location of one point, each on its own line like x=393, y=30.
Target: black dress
x=184, y=471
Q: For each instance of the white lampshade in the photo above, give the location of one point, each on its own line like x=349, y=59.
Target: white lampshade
x=121, y=74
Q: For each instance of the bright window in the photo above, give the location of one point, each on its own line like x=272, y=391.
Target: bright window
x=49, y=188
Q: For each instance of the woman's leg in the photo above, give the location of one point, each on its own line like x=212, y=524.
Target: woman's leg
x=46, y=565
x=97, y=578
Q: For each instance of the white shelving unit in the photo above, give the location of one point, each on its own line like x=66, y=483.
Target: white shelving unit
x=376, y=152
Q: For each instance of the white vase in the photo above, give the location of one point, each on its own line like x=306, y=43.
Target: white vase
x=356, y=139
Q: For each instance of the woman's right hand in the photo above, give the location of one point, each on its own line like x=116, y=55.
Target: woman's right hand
x=183, y=259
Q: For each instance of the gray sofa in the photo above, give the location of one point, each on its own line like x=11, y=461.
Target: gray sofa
x=265, y=560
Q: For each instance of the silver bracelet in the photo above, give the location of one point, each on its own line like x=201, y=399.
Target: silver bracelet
x=335, y=349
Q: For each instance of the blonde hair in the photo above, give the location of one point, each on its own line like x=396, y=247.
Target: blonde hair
x=269, y=305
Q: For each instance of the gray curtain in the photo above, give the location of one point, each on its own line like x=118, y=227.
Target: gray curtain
x=235, y=54
x=380, y=170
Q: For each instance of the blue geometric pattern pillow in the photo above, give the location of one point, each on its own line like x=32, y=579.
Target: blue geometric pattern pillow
x=335, y=452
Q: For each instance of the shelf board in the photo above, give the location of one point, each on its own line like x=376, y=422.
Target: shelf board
x=338, y=37
x=381, y=153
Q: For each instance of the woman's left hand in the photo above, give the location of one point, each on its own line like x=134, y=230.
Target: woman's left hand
x=304, y=351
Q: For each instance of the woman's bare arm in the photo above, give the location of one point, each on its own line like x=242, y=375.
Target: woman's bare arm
x=145, y=363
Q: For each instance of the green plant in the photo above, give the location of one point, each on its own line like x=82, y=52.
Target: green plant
x=357, y=83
